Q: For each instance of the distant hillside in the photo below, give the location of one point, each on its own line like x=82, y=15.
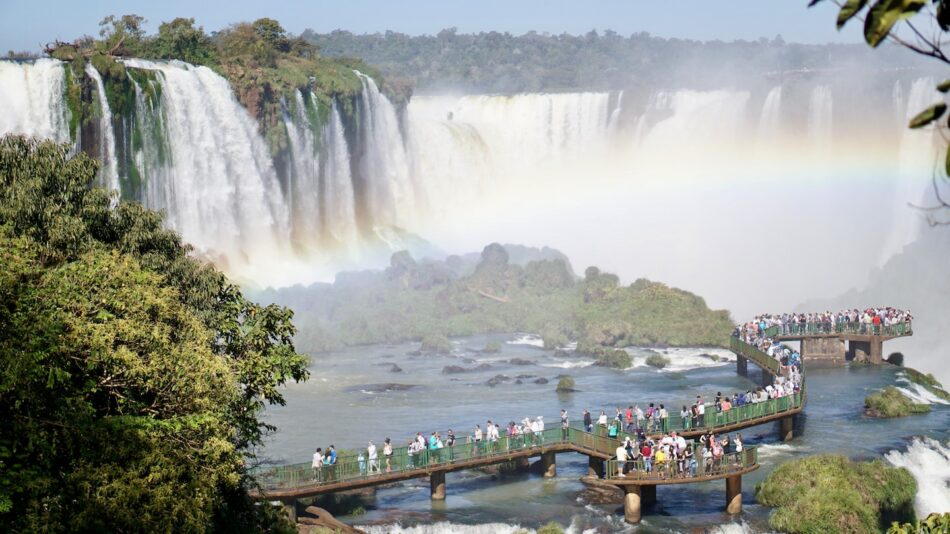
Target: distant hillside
x=917, y=279
x=496, y=62
x=458, y=296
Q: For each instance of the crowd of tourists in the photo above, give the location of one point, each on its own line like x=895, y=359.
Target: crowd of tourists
x=672, y=456
x=868, y=321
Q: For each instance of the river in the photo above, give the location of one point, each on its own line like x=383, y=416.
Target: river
x=351, y=398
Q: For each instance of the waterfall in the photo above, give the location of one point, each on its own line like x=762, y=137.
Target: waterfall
x=219, y=188
x=341, y=211
x=305, y=189
x=32, y=99
x=820, y=121
x=386, y=190
x=109, y=173
x=770, y=122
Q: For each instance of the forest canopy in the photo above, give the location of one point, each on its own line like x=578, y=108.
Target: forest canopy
x=134, y=376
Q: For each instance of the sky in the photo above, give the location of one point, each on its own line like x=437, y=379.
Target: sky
x=23, y=26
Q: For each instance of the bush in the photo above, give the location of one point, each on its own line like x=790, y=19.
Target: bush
x=896, y=358
x=890, y=402
x=658, y=360
x=492, y=347
x=565, y=384
x=830, y=493
x=436, y=344
x=605, y=356
x=551, y=528
x=934, y=523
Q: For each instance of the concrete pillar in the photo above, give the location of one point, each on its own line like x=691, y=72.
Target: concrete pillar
x=785, y=426
x=648, y=494
x=877, y=347
x=830, y=350
x=437, y=484
x=548, y=467
x=290, y=508
x=742, y=365
x=595, y=467
x=631, y=503
x=734, y=494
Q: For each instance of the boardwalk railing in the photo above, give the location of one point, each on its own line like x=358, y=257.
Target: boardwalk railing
x=826, y=328
x=672, y=469
x=351, y=468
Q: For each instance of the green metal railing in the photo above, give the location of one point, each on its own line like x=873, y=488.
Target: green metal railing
x=351, y=468
x=698, y=467
x=894, y=330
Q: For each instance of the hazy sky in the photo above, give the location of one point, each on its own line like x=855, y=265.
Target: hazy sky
x=27, y=24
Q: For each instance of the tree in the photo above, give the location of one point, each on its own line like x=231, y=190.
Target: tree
x=123, y=35
x=179, y=39
x=133, y=375
x=899, y=21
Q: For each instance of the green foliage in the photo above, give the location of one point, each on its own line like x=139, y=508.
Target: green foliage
x=412, y=300
x=890, y=402
x=179, y=39
x=928, y=115
x=657, y=360
x=133, y=375
x=552, y=527
x=492, y=347
x=565, y=384
x=436, y=344
x=829, y=493
x=928, y=381
x=935, y=523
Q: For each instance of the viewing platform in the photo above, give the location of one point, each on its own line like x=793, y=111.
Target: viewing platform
x=842, y=342
x=288, y=483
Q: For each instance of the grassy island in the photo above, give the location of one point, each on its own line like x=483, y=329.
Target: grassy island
x=830, y=493
x=890, y=402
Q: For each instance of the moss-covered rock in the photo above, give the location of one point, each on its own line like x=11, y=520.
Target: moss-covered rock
x=830, y=493
x=565, y=385
x=436, y=344
x=890, y=402
x=658, y=360
x=492, y=347
x=606, y=356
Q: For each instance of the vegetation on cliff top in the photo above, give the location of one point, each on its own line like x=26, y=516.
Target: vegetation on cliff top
x=830, y=493
x=890, y=402
x=411, y=300
x=134, y=376
x=263, y=63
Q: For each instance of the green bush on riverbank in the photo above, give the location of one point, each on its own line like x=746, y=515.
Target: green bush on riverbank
x=830, y=493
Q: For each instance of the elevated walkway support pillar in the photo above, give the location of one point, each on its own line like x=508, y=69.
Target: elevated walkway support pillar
x=648, y=494
x=437, y=484
x=734, y=494
x=631, y=503
x=595, y=467
x=548, y=467
x=742, y=365
x=785, y=426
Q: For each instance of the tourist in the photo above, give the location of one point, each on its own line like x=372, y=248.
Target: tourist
x=372, y=457
x=362, y=463
x=691, y=460
x=647, y=452
x=664, y=419
x=738, y=446
x=478, y=439
x=388, y=454
x=317, y=464
x=588, y=423
x=602, y=420
x=685, y=415
x=628, y=416
x=700, y=411
x=621, y=459
x=539, y=429
x=565, y=425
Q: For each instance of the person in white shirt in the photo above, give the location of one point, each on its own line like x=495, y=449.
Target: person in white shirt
x=372, y=457
x=602, y=420
x=621, y=459
x=317, y=464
